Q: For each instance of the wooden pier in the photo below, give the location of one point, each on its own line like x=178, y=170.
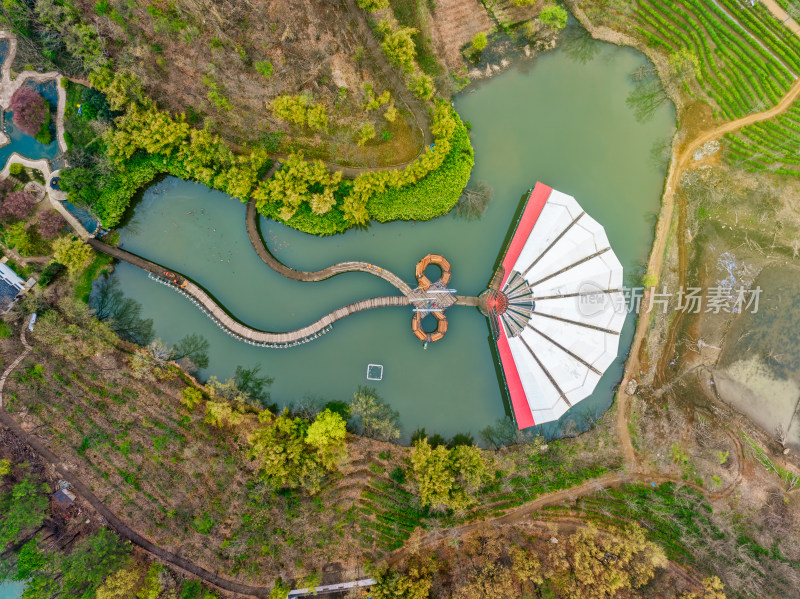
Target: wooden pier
x=266, y=256
x=426, y=295
x=228, y=323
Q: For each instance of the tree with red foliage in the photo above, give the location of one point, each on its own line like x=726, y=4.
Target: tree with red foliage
x=31, y=110
x=17, y=204
x=50, y=224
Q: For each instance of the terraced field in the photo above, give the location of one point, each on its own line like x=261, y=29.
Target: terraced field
x=769, y=146
x=744, y=60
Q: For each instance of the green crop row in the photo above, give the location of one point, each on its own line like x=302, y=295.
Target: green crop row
x=771, y=146
x=734, y=67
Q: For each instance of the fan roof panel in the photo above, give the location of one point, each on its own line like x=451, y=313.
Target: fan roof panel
x=572, y=336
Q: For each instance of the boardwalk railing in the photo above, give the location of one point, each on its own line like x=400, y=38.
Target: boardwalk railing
x=331, y=588
x=225, y=329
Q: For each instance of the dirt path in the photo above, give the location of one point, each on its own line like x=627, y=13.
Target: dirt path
x=780, y=14
x=524, y=512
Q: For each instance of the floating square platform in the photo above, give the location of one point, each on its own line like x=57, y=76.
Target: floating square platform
x=374, y=372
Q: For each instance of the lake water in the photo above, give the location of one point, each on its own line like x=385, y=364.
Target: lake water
x=562, y=122
x=11, y=590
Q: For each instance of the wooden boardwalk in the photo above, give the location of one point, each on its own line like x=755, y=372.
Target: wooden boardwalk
x=263, y=252
x=228, y=323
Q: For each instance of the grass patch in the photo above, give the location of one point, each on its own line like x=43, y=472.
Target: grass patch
x=97, y=267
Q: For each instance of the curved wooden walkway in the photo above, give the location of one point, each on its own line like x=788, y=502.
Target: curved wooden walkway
x=260, y=246
x=228, y=323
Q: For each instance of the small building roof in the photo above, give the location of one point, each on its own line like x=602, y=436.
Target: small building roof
x=64, y=497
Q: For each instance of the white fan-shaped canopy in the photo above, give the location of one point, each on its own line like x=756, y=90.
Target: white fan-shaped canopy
x=562, y=285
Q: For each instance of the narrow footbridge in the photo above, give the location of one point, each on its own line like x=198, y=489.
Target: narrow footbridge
x=266, y=256
x=225, y=321
x=426, y=297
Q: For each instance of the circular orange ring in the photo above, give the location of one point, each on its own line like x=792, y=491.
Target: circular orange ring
x=439, y=261
x=438, y=334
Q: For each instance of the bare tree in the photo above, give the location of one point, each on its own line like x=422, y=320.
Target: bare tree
x=474, y=200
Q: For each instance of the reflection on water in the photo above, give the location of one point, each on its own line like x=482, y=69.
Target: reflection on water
x=761, y=360
x=565, y=123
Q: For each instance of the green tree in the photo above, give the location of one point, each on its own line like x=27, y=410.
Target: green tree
x=422, y=86
x=391, y=113
x=446, y=478
x=72, y=253
x=221, y=414
x=151, y=588
x=5, y=469
x=30, y=560
x=414, y=583
x=317, y=117
x=294, y=453
x=85, y=568
x=282, y=454
x=23, y=507
x=121, y=584
x=190, y=397
x=298, y=182
x=554, y=16
x=327, y=435
x=684, y=61
x=372, y=417
x=595, y=565
x=280, y=590
x=290, y=108
x=398, y=45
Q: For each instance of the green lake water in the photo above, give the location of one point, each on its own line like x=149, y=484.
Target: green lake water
x=11, y=590
x=562, y=122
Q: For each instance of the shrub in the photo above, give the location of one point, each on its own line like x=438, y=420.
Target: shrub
x=17, y=236
x=265, y=68
x=31, y=110
x=479, y=42
x=5, y=333
x=554, y=17
x=50, y=272
x=372, y=5
x=16, y=169
x=365, y=133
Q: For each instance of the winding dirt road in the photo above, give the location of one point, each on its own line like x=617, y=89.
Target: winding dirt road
x=655, y=265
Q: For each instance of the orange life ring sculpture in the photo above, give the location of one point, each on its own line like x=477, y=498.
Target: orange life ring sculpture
x=425, y=283
x=439, y=261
